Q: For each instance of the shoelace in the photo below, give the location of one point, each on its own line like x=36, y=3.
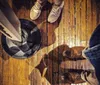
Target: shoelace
x=37, y=6
x=54, y=10
x=57, y=8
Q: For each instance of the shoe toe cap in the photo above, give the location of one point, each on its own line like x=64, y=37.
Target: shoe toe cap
x=52, y=19
x=34, y=15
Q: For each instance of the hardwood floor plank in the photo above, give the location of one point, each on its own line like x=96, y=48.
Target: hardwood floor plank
x=73, y=28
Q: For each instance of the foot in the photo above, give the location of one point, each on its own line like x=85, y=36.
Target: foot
x=35, y=11
x=74, y=76
x=74, y=53
x=55, y=12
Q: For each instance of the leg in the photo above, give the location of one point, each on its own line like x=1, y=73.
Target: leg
x=9, y=22
x=93, y=52
x=58, y=2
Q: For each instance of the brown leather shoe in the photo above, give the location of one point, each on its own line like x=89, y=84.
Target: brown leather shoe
x=74, y=53
x=73, y=76
x=70, y=76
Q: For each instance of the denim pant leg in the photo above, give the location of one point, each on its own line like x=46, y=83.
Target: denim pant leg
x=95, y=37
x=93, y=54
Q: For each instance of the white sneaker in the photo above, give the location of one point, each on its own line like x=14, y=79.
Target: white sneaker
x=55, y=12
x=35, y=11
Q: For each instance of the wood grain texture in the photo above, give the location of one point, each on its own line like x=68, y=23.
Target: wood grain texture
x=74, y=27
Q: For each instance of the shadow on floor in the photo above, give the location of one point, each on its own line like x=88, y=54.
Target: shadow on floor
x=3, y=54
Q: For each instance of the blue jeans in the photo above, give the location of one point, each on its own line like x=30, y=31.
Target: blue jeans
x=93, y=55
x=93, y=52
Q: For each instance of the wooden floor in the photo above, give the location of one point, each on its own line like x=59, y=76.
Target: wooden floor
x=74, y=27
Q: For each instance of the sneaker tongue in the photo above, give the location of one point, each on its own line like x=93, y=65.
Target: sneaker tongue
x=55, y=9
x=60, y=5
x=38, y=6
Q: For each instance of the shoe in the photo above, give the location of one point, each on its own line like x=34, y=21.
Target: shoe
x=95, y=38
x=74, y=53
x=35, y=11
x=68, y=76
x=55, y=12
x=73, y=76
